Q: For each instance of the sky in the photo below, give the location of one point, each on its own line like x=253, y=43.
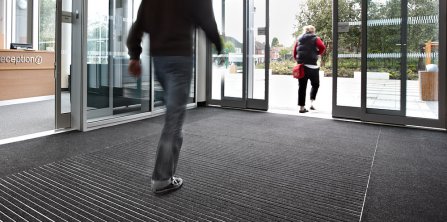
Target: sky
x=282, y=18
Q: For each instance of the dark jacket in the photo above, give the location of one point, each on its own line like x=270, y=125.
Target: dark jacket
x=170, y=25
x=308, y=47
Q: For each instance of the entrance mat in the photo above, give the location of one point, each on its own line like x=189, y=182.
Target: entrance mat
x=225, y=179
x=236, y=166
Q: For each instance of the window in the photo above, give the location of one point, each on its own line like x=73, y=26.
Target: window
x=23, y=26
x=47, y=19
x=2, y=24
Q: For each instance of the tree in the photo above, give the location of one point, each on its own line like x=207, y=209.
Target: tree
x=229, y=47
x=422, y=27
x=275, y=42
x=349, y=11
x=421, y=33
x=283, y=53
x=386, y=37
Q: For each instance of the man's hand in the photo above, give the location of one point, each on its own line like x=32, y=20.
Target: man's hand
x=135, y=68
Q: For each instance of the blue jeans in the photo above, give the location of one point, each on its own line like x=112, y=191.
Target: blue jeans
x=174, y=74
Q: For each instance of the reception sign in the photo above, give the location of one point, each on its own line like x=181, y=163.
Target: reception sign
x=26, y=73
x=13, y=59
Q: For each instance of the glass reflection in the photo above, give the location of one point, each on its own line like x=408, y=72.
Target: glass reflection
x=423, y=59
x=228, y=67
x=384, y=56
x=349, y=54
x=111, y=90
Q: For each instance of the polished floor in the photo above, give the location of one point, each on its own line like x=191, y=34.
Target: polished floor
x=27, y=117
x=237, y=166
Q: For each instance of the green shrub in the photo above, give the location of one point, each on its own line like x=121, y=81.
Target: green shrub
x=260, y=66
x=327, y=71
x=412, y=75
x=345, y=72
x=282, y=68
x=394, y=75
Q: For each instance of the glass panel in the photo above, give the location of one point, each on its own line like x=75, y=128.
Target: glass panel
x=98, y=75
x=146, y=75
x=47, y=14
x=384, y=55
x=256, y=50
x=349, y=54
x=228, y=68
x=282, y=25
x=23, y=7
x=158, y=93
x=423, y=59
x=219, y=62
x=45, y=41
x=27, y=103
x=192, y=91
x=2, y=24
x=111, y=90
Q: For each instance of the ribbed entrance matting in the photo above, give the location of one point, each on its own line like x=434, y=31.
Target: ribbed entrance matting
x=226, y=178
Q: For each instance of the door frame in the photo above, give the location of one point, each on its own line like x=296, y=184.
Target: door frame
x=387, y=116
x=79, y=65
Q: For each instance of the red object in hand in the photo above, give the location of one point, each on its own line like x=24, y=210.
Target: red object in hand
x=135, y=67
x=298, y=71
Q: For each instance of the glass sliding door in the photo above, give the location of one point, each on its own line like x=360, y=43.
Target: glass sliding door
x=228, y=68
x=347, y=61
x=112, y=94
x=386, y=56
x=99, y=81
x=29, y=91
x=62, y=44
x=239, y=77
x=423, y=59
x=386, y=61
x=111, y=90
x=257, y=56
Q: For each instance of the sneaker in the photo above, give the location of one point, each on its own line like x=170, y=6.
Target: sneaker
x=312, y=108
x=176, y=183
x=304, y=111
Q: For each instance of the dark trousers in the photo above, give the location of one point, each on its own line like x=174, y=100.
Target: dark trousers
x=174, y=74
x=314, y=76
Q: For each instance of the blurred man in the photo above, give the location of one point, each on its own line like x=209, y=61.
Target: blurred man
x=170, y=25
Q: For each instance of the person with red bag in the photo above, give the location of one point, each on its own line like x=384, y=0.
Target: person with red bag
x=307, y=50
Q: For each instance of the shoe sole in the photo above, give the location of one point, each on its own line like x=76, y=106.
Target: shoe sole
x=168, y=190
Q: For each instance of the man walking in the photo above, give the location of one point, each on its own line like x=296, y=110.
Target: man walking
x=170, y=25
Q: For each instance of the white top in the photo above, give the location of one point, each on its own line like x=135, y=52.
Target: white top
x=311, y=66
